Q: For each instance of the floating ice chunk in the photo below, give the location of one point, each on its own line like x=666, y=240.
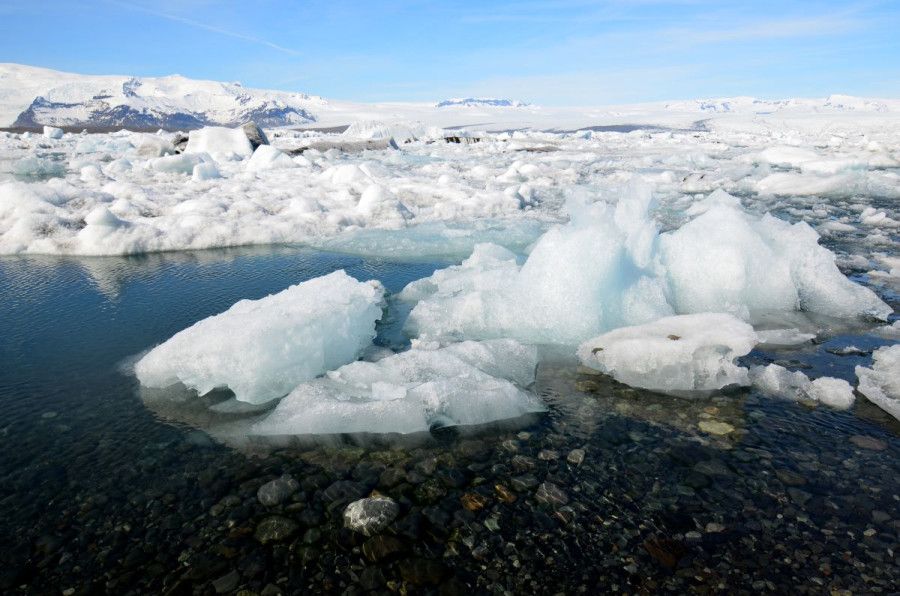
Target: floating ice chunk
x=726, y=260
x=888, y=331
x=784, y=338
x=179, y=164
x=579, y=280
x=413, y=391
x=881, y=383
x=261, y=349
x=267, y=157
x=778, y=381
x=871, y=216
x=219, y=142
x=37, y=166
x=150, y=146
x=205, y=171
x=51, y=132
x=786, y=157
x=833, y=392
x=801, y=185
x=680, y=355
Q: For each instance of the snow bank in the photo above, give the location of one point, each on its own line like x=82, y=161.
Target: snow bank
x=414, y=391
x=881, y=383
x=261, y=349
x=779, y=381
x=680, y=355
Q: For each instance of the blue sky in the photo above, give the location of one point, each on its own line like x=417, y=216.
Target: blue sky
x=551, y=53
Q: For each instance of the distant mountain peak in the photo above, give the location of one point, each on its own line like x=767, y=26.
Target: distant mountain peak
x=481, y=102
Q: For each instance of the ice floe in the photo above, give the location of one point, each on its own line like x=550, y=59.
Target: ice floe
x=881, y=383
x=414, y=391
x=262, y=349
x=679, y=355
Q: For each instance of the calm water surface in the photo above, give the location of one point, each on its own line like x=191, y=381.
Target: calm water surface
x=613, y=490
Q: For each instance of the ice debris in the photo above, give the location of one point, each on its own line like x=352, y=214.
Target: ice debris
x=776, y=380
x=881, y=383
x=262, y=349
x=680, y=355
x=413, y=391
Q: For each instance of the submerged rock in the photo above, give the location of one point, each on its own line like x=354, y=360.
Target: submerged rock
x=371, y=516
x=277, y=491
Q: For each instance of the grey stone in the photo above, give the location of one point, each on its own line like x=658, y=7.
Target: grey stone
x=255, y=134
x=551, y=494
x=226, y=583
x=575, y=457
x=275, y=529
x=370, y=516
x=277, y=491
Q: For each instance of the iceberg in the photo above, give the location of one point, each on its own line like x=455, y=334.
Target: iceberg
x=881, y=383
x=686, y=355
x=414, y=391
x=610, y=267
x=262, y=349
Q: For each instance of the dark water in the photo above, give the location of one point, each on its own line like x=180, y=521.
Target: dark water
x=101, y=495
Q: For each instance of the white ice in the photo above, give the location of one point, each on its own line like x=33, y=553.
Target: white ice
x=610, y=267
x=413, y=391
x=262, y=349
x=679, y=355
x=881, y=383
x=776, y=380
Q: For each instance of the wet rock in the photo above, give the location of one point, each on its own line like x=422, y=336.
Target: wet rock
x=715, y=428
x=790, y=478
x=391, y=477
x=524, y=482
x=371, y=579
x=430, y=491
x=277, y=491
x=383, y=548
x=866, y=442
x=504, y=494
x=275, y=528
x=371, y=516
x=522, y=463
x=548, y=455
x=665, y=550
x=423, y=572
x=473, y=501
x=575, y=457
x=551, y=494
x=344, y=490
x=227, y=583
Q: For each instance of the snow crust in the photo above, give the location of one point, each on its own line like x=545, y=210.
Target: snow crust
x=262, y=349
x=679, y=355
x=881, y=383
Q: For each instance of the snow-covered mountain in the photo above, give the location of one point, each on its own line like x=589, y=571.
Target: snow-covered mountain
x=481, y=102
x=32, y=96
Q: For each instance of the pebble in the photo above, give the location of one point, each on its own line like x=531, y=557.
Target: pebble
x=866, y=442
x=551, y=494
x=275, y=528
x=371, y=516
x=715, y=428
x=227, y=583
x=504, y=494
x=277, y=491
x=575, y=457
x=473, y=501
x=790, y=478
x=383, y=548
x=548, y=455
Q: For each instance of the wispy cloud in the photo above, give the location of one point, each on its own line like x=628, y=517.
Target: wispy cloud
x=204, y=26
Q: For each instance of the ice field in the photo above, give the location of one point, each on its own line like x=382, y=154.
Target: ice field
x=666, y=253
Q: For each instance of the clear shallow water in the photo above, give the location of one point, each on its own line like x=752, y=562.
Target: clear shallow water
x=100, y=493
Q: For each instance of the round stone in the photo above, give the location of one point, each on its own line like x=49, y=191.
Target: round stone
x=370, y=516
